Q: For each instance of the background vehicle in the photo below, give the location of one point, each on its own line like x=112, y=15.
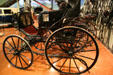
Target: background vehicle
x=6, y=14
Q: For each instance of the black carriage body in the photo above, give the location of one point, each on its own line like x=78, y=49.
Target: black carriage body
x=61, y=43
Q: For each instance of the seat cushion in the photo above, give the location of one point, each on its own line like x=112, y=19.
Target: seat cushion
x=30, y=30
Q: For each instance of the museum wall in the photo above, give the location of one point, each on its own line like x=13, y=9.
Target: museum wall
x=99, y=8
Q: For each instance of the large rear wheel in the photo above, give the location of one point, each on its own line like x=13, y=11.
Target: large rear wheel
x=71, y=50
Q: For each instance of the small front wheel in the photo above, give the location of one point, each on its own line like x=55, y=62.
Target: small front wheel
x=17, y=51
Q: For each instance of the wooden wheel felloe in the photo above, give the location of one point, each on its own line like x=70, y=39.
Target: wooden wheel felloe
x=18, y=52
x=71, y=50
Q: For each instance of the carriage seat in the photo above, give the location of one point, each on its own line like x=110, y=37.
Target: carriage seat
x=26, y=22
x=31, y=30
x=46, y=19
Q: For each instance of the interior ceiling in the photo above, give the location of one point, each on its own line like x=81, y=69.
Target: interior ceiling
x=6, y=3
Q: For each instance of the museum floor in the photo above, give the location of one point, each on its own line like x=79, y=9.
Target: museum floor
x=104, y=65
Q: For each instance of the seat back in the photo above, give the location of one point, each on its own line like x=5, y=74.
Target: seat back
x=25, y=19
x=46, y=19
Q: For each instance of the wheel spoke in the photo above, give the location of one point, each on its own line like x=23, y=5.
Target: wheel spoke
x=57, y=60
x=63, y=63
x=62, y=46
x=18, y=44
x=63, y=49
x=20, y=62
x=13, y=42
x=24, y=61
x=87, y=50
x=12, y=58
x=76, y=65
x=9, y=53
x=16, y=60
x=88, y=42
x=50, y=45
x=9, y=49
x=25, y=57
x=85, y=57
x=10, y=44
x=83, y=62
x=77, y=41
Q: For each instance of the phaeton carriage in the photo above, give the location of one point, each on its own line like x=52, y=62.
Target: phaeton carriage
x=68, y=46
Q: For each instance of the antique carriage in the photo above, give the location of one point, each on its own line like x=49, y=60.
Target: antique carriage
x=68, y=46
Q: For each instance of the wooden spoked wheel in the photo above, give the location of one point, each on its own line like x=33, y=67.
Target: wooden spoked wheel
x=71, y=50
x=17, y=51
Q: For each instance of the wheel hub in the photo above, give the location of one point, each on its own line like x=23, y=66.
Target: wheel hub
x=17, y=52
x=71, y=53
